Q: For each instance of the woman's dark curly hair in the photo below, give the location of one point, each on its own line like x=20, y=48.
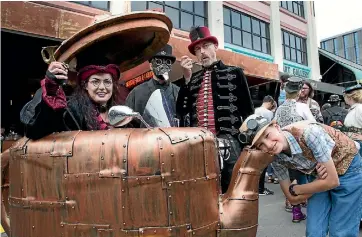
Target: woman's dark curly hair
x=86, y=108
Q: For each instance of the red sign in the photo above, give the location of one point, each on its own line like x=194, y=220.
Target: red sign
x=140, y=79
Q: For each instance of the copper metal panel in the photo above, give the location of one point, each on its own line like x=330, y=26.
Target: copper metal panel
x=85, y=230
x=175, y=136
x=188, y=205
x=205, y=231
x=114, y=153
x=163, y=231
x=139, y=207
x=142, y=159
x=41, y=172
x=63, y=143
x=16, y=176
x=183, y=160
x=245, y=232
x=20, y=219
x=234, y=218
x=212, y=166
x=91, y=199
x=86, y=152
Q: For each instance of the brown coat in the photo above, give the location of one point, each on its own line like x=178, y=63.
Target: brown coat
x=343, y=152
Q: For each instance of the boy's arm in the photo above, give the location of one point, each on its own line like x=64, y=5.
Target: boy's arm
x=284, y=184
x=321, y=145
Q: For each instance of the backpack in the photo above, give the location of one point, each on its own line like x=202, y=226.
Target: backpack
x=335, y=118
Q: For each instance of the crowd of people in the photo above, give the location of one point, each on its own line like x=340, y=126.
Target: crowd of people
x=317, y=163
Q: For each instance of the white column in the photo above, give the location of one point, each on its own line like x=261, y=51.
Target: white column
x=120, y=7
x=312, y=44
x=216, y=21
x=275, y=35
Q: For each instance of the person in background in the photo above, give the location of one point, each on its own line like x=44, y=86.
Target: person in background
x=353, y=120
x=282, y=95
x=161, y=64
x=306, y=97
x=265, y=110
x=335, y=115
x=325, y=106
x=86, y=109
x=289, y=112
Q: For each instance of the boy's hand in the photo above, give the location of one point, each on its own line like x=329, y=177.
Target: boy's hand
x=322, y=171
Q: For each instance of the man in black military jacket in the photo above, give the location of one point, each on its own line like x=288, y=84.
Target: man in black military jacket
x=216, y=98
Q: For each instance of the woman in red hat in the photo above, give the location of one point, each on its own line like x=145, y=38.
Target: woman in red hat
x=86, y=109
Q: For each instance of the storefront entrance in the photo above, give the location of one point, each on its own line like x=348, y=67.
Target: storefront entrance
x=22, y=68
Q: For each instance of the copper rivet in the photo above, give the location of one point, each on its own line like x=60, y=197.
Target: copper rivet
x=62, y=225
x=112, y=174
x=172, y=154
x=66, y=198
x=169, y=184
x=124, y=161
x=124, y=179
x=75, y=227
x=163, y=177
x=122, y=190
x=173, y=170
x=33, y=227
x=170, y=212
x=170, y=196
x=102, y=158
x=148, y=178
x=124, y=145
x=182, y=182
x=22, y=190
x=163, y=163
x=136, y=178
x=102, y=143
x=141, y=231
x=88, y=175
x=123, y=207
x=73, y=207
x=170, y=229
x=51, y=203
x=193, y=233
x=124, y=223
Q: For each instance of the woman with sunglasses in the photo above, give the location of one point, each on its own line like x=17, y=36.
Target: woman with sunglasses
x=86, y=109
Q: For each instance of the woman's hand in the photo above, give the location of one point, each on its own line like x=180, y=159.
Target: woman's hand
x=58, y=70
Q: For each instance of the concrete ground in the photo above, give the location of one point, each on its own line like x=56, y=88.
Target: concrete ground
x=274, y=221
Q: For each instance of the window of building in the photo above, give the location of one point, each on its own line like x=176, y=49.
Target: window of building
x=297, y=7
x=356, y=40
x=246, y=31
x=294, y=48
x=103, y=5
x=183, y=14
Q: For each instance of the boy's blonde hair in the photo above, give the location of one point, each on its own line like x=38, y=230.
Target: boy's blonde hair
x=356, y=96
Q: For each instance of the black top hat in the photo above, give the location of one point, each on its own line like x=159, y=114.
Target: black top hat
x=294, y=84
x=165, y=52
x=334, y=98
x=353, y=88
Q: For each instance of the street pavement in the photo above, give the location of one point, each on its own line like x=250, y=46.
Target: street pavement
x=274, y=221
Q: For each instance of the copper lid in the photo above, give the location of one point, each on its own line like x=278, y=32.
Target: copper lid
x=126, y=40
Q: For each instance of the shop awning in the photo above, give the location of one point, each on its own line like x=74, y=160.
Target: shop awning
x=354, y=67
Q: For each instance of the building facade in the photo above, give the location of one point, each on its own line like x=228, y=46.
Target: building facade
x=347, y=45
x=282, y=32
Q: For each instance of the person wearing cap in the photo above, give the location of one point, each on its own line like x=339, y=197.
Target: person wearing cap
x=353, y=120
x=289, y=112
x=306, y=96
x=216, y=98
x=335, y=115
x=282, y=94
x=334, y=200
x=161, y=65
x=97, y=89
